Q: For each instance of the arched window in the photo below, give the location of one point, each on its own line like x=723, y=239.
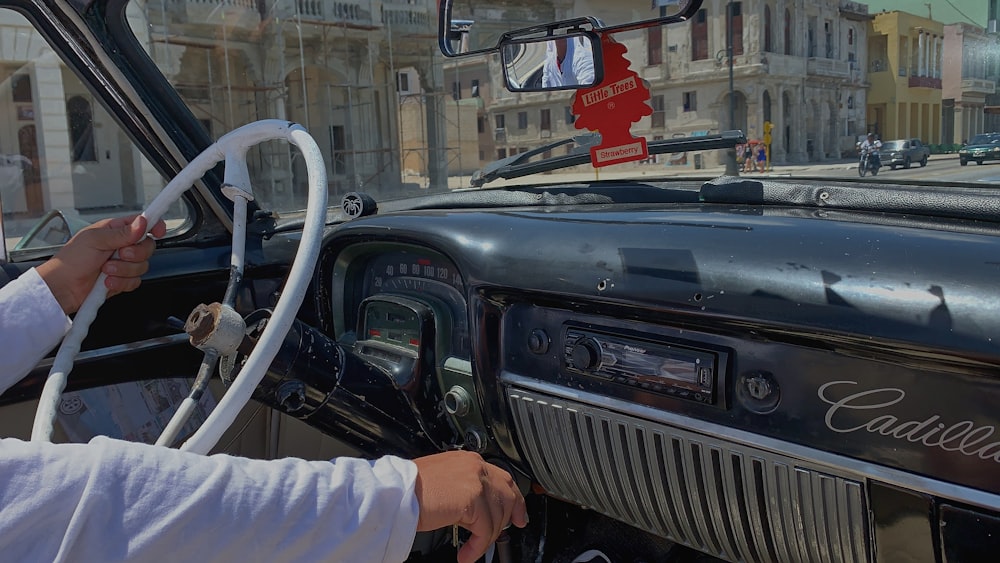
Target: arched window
x=768, y=45
x=81, y=129
x=788, y=32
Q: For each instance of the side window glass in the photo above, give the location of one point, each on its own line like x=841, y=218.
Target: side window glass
x=64, y=162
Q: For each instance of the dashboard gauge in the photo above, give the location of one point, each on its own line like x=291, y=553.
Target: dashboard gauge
x=430, y=278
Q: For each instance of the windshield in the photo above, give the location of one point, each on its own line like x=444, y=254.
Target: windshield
x=894, y=145
x=397, y=119
x=984, y=139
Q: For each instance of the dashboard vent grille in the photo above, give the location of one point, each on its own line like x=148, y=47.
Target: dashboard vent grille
x=732, y=501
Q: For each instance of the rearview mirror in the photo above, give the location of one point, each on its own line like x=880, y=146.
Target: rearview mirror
x=565, y=62
x=467, y=27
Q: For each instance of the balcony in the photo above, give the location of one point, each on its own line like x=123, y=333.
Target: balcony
x=925, y=82
x=854, y=10
x=784, y=65
x=829, y=68
x=978, y=86
x=346, y=14
x=409, y=18
x=236, y=13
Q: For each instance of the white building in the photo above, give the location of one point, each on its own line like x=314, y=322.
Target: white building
x=795, y=65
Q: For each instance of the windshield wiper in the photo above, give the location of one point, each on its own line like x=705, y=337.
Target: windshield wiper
x=500, y=168
x=515, y=166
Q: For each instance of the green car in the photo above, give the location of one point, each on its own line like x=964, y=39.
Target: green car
x=985, y=146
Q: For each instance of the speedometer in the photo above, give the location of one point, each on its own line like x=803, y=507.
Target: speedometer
x=430, y=278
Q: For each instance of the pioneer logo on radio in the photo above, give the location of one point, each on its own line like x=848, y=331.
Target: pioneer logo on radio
x=964, y=437
x=635, y=349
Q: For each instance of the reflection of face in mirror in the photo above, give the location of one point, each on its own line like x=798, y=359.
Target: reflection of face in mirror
x=565, y=62
x=569, y=61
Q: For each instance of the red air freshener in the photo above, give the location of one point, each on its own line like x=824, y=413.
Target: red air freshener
x=612, y=106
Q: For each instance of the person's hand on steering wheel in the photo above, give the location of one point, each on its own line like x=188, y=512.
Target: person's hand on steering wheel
x=71, y=273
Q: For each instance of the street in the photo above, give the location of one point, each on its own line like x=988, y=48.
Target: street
x=940, y=167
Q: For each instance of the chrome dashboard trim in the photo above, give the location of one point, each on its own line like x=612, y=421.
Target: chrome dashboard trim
x=835, y=463
x=732, y=501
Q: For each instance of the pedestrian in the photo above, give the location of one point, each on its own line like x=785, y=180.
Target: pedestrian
x=748, y=158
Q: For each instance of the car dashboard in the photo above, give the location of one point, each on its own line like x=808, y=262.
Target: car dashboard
x=755, y=382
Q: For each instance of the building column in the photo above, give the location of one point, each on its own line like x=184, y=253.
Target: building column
x=798, y=137
x=820, y=134
x=778, y=120
x=938, y=53
x=920, y=54
x=932, y=71
x=52, y=132
x=432, y=82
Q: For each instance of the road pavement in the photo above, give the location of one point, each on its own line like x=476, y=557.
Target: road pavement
x=940, y=167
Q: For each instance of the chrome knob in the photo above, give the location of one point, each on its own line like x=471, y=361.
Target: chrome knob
x=457, y=401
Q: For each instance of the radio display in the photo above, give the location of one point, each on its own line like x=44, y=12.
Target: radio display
x=659, y=367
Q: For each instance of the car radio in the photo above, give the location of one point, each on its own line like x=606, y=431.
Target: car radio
x=669, y=369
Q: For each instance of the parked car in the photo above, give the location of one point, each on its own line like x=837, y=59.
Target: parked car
x=985, y=146
x=904, y=152
x=672, y=368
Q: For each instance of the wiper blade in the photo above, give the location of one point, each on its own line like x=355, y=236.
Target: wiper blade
x=516, y=167
x=498, y=168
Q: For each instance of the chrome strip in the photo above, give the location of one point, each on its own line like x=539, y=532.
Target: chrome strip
x=835, y=462
x=457, y=365
x=121, y=349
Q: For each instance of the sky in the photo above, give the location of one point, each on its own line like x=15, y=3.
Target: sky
x=944, y=11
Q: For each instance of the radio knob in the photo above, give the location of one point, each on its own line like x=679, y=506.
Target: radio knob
x=585, y=354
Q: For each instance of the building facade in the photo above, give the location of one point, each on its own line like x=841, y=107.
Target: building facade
x=905, y=64
x=970, y=78
x=328, y=65
x=795, y=65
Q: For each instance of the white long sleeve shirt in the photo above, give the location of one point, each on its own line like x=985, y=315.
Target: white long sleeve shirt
x=110, y=500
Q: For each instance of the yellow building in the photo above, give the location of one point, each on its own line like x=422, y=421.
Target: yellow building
x=904, y=62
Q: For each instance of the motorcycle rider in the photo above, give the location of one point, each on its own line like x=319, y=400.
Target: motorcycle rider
x=872, y=145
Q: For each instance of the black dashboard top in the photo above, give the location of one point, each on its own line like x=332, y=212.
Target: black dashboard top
x=852, y=276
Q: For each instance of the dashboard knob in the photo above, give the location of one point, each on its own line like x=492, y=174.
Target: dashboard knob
x=538, y=341
x=585, y=354
x=475, y=439
x=457, y=401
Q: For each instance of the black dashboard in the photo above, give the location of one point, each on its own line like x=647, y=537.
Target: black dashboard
x=746, y=352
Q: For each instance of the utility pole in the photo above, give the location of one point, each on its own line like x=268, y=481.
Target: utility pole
x=731, y=168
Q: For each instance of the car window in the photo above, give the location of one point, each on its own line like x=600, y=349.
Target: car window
x=326, y=65
x=64, y=162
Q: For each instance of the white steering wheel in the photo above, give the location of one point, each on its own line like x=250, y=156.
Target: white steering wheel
x=232, y=149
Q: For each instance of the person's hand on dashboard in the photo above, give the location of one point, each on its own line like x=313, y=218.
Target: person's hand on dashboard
x=71, y=273
x=461, y=488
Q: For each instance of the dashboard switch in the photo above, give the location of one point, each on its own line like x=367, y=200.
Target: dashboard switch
x=457, y=401
x=475, y=440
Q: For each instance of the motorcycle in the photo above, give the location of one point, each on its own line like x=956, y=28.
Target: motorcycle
x=869, y=162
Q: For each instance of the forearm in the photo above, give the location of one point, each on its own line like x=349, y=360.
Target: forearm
x=31, y=324
x=113, y=500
